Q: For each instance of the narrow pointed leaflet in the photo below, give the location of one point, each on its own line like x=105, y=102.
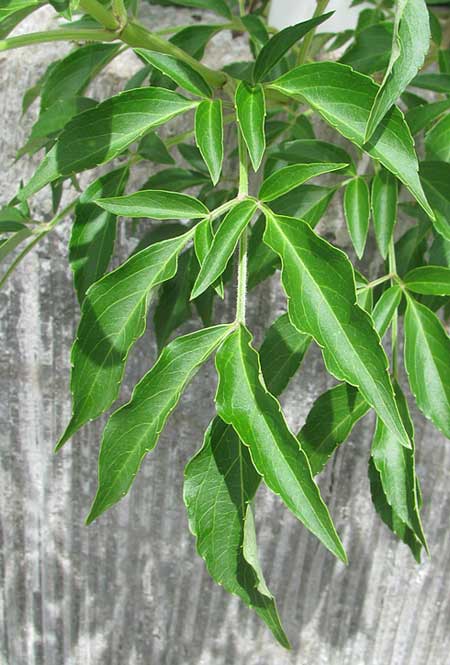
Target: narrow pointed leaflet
x=133, y=430
x=178, y=71
x=94, y=231
x=385, y=308
x=155, y=204
x=320, y=286
x=223, y=245
x=410, y=44
x=389, y=516
x=251, y=113
x=344, y=98
x=429, y=280
x=100, y=134
x=329, y=423
x=209, y=135
x=281, y=42
x=289, y=177
x=396, y=467
x=427, y=362
x=113, y=317
x=357, y=213
x=244, y=402
x=220, y=483
x=384, y=208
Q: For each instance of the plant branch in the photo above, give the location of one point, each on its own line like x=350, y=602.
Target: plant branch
x=61, y=35
x=136, y=35
x=40, y=234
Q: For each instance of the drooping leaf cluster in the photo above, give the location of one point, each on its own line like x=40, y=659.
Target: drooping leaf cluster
x=225, y=215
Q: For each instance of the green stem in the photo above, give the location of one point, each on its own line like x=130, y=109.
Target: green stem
x=241, y=298
x=136, y=35
x=40, y=234
x=61, y=35
x=241, y=7
x=303, y=52
x=100, y=13
x=394, y=324
x=119, y=12
x=376, y=282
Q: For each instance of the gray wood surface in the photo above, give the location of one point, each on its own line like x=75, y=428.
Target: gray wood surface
x=130, y=589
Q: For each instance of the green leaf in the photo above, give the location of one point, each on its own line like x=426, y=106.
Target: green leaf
x=173, y=307
x=113, y=317
x=9, y=7
x=209, y=135
x=13, y=241
x=320, y=285
x=133, y=430
x=385, y=308
x=203, y=240
x=437, y=140
x=223, y=245
x=194, y=38
x=357, y=213
x=433, y=81
x=388, y=515
x=71, y=75
x=100, y=134
x=178, y=71
x=344, y=98
x=307, y=202
x=429, y=280
x=289, y=177
x=436, y=182
x=280, y=43
x=175, y=179
x=243, y=402
x=262, y=262
x=420, y=117
x=155, y=204
x=396, y=467
x=330, y=422
x=11, y=227
x=410, y=44
x=312, y=151
x=93, y=232
x=384, y=208
x=193, y=156
x=251, y=112
x=220, y=483
x=427, y=359
x=52, y=120
x=281, y=353
x=256, y=29
x=153, y=148
x=370, y=50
